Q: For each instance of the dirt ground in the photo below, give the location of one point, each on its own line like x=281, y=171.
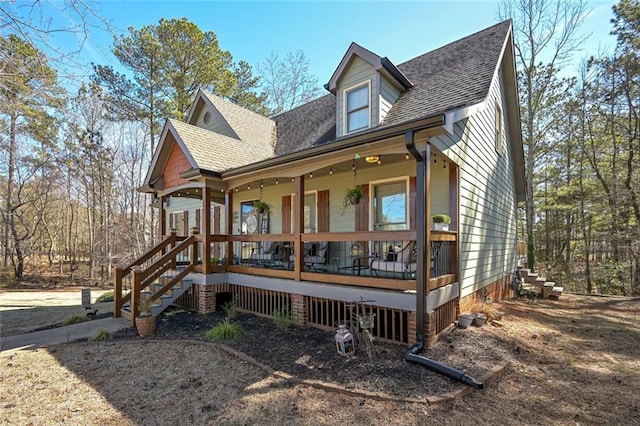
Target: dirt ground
x=22, y=311
x=572, y=361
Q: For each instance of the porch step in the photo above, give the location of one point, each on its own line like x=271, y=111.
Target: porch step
x=532, y=282
x=166, y=299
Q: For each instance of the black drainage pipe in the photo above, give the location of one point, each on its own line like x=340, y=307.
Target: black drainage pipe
x=412, y=355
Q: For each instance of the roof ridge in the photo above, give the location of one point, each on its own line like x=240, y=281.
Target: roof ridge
x=458, y=41
x=228, y=102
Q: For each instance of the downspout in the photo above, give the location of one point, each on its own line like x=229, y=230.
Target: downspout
x=410, y=143
x=422, y=234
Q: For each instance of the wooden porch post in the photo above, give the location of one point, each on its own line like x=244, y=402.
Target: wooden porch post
x=298, y=211
x=162, y=220
x=427, y=218
x=135, y=291
x=194, y=249
x=454, y=206
x=228, y=213
x=206, y=229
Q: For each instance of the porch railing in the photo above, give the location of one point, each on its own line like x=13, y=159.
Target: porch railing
x=385, y=259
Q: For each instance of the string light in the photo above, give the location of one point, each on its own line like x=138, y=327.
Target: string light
x=261, y=185
x=311, y=175
x=330, y=170
x=248, y=186
x=406, y=156
x=277, y=182
x=379, y=159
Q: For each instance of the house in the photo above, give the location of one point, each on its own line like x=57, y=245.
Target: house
x=438, y=134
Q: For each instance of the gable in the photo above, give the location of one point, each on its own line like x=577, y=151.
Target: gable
x=206, y=116
x=176, y=164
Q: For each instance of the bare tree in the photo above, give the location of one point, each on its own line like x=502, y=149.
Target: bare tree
x=546, y=35
x=39, y=21
x=287, y=82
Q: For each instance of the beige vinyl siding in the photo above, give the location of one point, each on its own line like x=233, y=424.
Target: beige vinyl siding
x=357, y=72
x=179, y=204
x=216, y=124
x=488, y=213
x=342, y=219
x=389, y=94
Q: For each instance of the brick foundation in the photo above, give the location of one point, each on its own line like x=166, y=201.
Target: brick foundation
x=206, y=299
x=411, y=328
x=430, y=336
x=499, y=290
x=299, y=308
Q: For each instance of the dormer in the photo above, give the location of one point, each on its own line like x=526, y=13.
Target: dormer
x=366, y=86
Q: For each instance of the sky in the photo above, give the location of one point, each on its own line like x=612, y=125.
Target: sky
x=250, y=31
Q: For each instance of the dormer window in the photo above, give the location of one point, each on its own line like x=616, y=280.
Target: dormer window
x=357, y=101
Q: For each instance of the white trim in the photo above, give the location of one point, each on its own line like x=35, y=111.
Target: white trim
x=345, y=122
x=405, y=301
x=498, y=130
x=168, y=191
x=407, y=210
x=455, y=115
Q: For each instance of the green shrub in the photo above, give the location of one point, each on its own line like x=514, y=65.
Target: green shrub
x=230, y=309
x=102, y=335
x=283, y=318
x=105, y=297
x=226, y=330
x=74, y=319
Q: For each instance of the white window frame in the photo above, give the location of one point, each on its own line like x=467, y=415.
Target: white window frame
x=313, y=192
x=407, y=210
x=345, y=112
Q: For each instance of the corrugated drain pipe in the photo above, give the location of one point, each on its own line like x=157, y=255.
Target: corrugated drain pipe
x=421, y=224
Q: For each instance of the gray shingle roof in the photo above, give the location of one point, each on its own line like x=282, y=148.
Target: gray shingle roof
x=444, y=79
x=248, y=125
x=308, y=125
x=216, y=152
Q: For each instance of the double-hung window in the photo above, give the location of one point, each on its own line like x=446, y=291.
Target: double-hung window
x=309, y=213
x=390, y=205
x=357, y=107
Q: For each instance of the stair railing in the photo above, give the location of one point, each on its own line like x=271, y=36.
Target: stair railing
x=142, y=277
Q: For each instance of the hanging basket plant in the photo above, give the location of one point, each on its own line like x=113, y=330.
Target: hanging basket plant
x=353, y=196
x=261, y=207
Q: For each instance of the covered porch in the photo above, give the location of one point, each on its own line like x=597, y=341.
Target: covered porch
x=212, y=225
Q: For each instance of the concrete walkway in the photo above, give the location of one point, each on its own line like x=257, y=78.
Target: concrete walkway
x=65, y=334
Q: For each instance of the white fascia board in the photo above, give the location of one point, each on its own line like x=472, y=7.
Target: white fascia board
x=456, y=115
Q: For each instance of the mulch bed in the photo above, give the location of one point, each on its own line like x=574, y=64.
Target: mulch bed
x=310, y=354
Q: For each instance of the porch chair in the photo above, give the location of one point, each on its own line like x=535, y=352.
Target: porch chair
x=396, y=260
x=273, y=253
x=315, y=255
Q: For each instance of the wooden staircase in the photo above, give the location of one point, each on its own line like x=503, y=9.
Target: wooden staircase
x=156, y=276
x=532, y=282
x=161, y=300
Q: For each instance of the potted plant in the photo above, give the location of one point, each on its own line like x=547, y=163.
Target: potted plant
x=145, y=321
x=353, y=196
x=441, y=222
x=261, y=206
